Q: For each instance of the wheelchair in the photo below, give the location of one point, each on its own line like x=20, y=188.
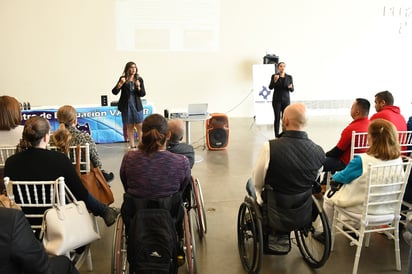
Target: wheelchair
x=252, y=232
x=194, y=212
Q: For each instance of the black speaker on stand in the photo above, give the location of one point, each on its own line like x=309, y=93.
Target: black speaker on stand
x=217, y=131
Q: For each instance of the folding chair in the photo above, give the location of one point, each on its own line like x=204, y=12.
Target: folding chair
x=84, y=156
x=359, y=143
x=5, y=152
x=385, y=186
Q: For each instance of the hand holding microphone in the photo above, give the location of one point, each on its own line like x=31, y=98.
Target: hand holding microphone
x=276, y=77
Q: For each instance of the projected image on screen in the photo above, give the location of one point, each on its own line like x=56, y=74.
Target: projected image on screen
x=167, y=25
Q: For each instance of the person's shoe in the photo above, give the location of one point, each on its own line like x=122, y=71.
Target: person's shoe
x=108, y=176
x=110, y=215
x=320, y=237
x=180, y=254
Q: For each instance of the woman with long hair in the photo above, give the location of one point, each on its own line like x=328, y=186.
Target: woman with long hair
x=383, y=148
x=68, y=135
x=10, y=121
x=35, y=163
x=130, y=105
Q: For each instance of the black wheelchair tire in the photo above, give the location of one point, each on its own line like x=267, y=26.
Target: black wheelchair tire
x=120, y=264
x=306, y=241
x=250, y=229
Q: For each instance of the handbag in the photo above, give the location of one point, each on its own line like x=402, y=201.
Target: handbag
x=7, y=199
x=67, y=227
x=95, y=182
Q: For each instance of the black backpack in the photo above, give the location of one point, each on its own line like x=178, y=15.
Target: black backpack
x=152, y=242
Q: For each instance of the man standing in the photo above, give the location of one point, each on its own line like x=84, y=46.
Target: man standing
x=338, y=157
x=282, y=85
x=386, y=110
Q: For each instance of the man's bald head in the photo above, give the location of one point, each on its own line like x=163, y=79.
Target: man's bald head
x=177, y=130
x=294, y=117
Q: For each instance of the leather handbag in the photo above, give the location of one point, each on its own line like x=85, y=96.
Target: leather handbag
x=7, y=199
x=67, y=227
x=95, y=182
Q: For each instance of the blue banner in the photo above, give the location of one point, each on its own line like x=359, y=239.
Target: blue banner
x=104, y=124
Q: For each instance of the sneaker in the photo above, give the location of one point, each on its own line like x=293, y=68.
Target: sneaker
x=110, y=215
x=108, y=176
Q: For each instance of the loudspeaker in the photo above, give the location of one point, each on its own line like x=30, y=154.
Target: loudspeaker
x=217, y=131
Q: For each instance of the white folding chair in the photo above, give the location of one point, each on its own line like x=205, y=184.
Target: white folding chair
x=6, y=152
x=385, y=187
x=359, y=143
x=84, y=156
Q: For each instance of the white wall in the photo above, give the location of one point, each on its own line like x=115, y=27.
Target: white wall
x=56, y=52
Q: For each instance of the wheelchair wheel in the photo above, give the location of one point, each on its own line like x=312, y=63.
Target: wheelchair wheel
x=314, y=251
x=250, y=238
x=198, y=205
x=189, y=241
x=119, y=249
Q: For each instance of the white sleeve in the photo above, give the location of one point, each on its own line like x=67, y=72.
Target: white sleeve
x=260, y=169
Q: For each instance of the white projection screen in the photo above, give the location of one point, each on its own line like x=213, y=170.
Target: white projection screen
x=167, y=25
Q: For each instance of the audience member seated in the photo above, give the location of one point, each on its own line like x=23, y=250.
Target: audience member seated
x=68, y=135
x=383, y=148
x=286, y=170
x=36, y=163
x=339, y=156
x=152, y=171
x=10, y=121
x=21, y=252
x=177, y=130
x=386, y=110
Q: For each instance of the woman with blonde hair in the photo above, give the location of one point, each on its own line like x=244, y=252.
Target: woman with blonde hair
x=68, y=135
x=383, y=148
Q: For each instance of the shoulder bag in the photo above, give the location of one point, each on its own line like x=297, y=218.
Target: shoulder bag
x=7, y=199
x=95, y=182
x=67, y=227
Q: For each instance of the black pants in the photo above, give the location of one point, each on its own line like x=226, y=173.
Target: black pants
x=61, y=265
x=278, y=108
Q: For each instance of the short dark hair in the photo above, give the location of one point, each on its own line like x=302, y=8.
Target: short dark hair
x=385, y=96
x=363, y=105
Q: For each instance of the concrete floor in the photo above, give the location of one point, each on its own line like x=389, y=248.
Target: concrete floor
x=223, y=175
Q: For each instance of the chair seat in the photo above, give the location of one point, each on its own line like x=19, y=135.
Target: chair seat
x=370, y=219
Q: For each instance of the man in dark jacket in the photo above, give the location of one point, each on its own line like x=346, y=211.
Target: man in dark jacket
x=286, y=170
x=21, y=252
x=177, y=130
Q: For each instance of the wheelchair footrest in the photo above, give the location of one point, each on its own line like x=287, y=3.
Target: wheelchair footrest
x=277, y=244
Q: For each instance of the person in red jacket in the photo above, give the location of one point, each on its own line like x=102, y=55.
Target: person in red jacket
x=386, y=110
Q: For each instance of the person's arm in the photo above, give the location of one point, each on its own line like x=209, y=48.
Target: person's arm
x=94, y=155
x=352, y=171
x=141, y=91
x=119, y=85
x=291, y=86
x=334, y=152
x=272, y=82
x=26, y=250
x=123, y=177
x=260, y=169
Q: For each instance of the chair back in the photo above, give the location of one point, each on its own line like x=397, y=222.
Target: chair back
x=385, y=188
x=84, y=156
x=34, y=197
x=6, y=152
x=359, y=143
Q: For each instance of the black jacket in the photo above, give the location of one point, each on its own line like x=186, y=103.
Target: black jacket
x=280, y=88
x=125, y=94
x=184, y=149
x=19, y=249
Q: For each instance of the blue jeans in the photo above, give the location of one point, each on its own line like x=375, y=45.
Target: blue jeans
x=96, y=207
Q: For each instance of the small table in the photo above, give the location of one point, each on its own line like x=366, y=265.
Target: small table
x=197, y=118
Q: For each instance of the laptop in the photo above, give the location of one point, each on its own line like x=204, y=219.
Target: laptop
x=197, y=110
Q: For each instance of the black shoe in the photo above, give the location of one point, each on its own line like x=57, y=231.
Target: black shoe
x=108, y=176
x=320, y=237
x=109, y=216
x=180, y=254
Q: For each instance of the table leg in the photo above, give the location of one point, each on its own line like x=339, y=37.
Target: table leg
x=187, y=132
